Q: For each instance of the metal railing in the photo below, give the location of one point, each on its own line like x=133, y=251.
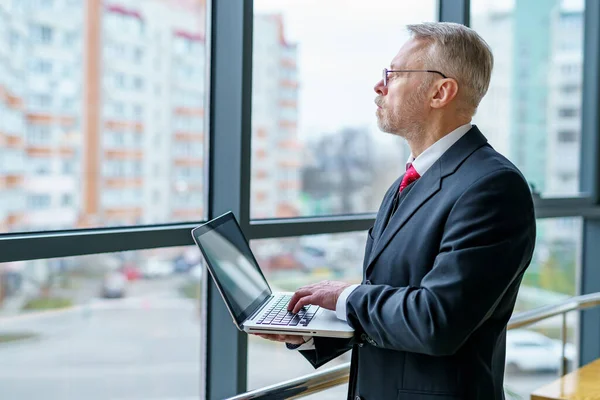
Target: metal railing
x=322, y=380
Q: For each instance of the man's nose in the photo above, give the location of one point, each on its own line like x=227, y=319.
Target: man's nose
x=380, y=89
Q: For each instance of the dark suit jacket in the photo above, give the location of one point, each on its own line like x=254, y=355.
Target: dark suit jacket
x=440, y=282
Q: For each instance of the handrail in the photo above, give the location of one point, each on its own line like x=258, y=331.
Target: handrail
x=318, y=381
x=541, y=313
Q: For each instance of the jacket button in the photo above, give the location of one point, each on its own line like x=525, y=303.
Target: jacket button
x=358, y=398
x=367, y=282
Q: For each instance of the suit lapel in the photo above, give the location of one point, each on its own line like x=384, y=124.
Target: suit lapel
x=424, y=188
x=385, y=210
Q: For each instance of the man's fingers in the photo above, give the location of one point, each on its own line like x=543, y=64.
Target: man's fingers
x=281, y=338
x=302, y=302
x=300, y=293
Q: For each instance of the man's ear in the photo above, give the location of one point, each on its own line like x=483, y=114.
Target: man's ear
x=447, y=90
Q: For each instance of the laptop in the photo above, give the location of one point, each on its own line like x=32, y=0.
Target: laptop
x=254, y=307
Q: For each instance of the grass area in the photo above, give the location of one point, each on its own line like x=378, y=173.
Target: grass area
x=14, y=337
x=48, y=303
x=190, y=290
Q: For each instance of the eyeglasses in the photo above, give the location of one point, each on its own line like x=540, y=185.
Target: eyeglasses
x=387, y=71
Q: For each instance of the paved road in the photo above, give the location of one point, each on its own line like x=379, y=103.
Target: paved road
x=144, y=347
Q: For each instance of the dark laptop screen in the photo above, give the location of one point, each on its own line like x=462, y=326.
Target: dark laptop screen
x=232, y=265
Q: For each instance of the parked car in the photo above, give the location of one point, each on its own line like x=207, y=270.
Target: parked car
x=529, y=351
x=311, y=257
x=131, y=272
x=157, y=268
x=114, y=285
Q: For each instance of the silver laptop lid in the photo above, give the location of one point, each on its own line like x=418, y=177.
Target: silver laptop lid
x=232, y=266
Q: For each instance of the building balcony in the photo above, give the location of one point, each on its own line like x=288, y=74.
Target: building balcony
x=123, y=125
x=189, y=111
x=123, y=154
x=123, y=183
x=188, y=136
x=184, y=213
x=126, y=214
x=182, y=161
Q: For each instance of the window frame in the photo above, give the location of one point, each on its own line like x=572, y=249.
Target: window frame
x=229, y=84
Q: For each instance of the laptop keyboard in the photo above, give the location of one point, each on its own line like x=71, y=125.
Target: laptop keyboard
x=277, y=314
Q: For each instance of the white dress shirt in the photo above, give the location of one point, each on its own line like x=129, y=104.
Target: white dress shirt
x=421, y=164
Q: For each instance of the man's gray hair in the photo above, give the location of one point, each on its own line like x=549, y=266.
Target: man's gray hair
x=460, y=53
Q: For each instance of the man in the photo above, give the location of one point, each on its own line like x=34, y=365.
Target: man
x=450, y=243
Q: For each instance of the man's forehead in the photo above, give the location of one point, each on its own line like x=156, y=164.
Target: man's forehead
x=407, y=57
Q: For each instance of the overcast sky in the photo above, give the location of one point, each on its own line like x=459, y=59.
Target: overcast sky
x=344, y=45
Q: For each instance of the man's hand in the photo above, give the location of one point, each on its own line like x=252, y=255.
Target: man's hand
x=324, y=294
x=292, y=339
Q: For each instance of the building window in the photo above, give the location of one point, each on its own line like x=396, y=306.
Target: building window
x=43, y=67
x=39, y=134
x=567, y=136
x=41, y=34
x=38, y=201
x=567, y=112
x=120, y=81
x=138, y=83
x=137, y=55
x=569, y=89
x=66, y=200
x=41, y=100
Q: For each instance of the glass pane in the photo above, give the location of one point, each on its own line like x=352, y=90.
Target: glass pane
x=107, y=326
x=532, y=111
x=552, y=276
x=533, y=352
x=288, y=264
x=102, y=115
x=316, y=148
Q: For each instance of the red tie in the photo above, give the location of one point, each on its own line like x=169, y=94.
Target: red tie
x=410, y=176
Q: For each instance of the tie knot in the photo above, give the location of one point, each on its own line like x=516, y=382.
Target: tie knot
x=410, y=176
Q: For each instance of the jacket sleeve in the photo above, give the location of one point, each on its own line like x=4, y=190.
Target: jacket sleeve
x=326, y=349
x=487, y=243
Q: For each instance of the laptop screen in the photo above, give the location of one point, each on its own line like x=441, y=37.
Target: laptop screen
x=232, y=265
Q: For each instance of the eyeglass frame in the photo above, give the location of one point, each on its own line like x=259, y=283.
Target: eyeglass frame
x=387, y=71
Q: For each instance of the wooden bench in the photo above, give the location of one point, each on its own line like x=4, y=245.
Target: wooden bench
x=582, y=384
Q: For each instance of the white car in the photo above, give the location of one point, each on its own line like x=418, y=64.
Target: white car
x=531, y=351
x=157, y=268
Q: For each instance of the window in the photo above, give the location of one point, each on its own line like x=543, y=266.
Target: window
x=342, y=162
x=138, y=111
x=294, y=262
x=42, y=67
x=42, y=34
x=120, y=80
x=567, y=112
x=153, y=295
x=550, y=278
x=569, y=89
x=531, y=135
x=39, y=201
x=39, y=134
x=567, y=136
x=68, y=168
x=66, y=200
x=137, y=55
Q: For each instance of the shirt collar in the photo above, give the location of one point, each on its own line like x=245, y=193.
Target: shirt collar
x=433, y=153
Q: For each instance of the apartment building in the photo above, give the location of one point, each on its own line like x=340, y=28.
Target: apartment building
x=276, y=151
x=150, y=134
x=532, y=112
x=103, y=114
x=53, y=113
x=493, y=116
x=13, y=32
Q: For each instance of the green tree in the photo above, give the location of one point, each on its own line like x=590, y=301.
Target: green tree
x=556, y=276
